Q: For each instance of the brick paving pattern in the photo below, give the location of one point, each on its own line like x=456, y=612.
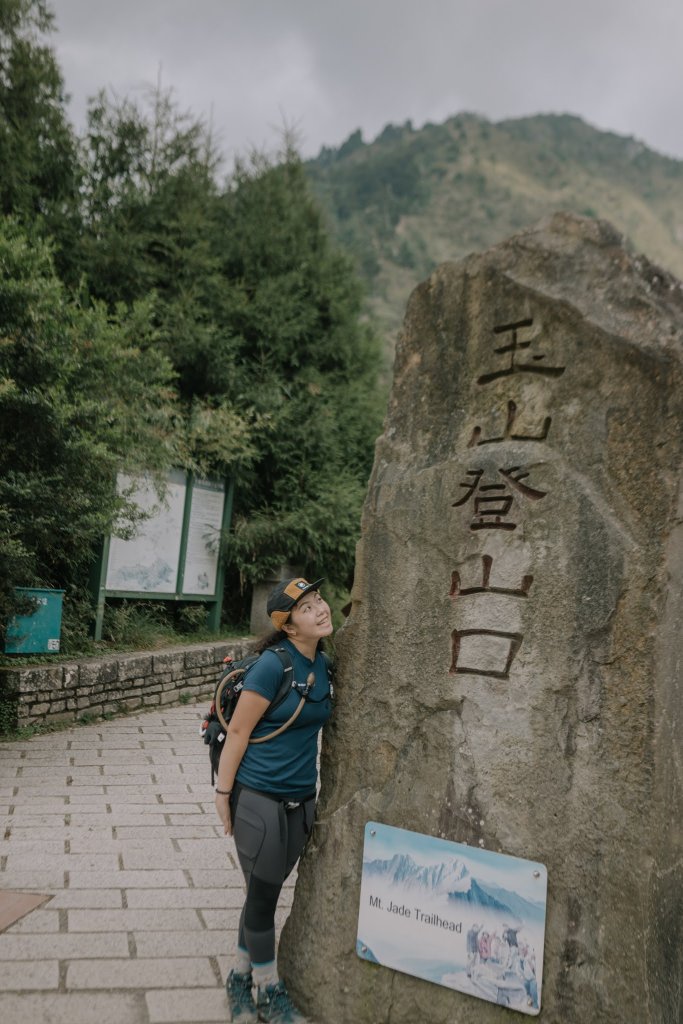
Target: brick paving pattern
x=116, y=821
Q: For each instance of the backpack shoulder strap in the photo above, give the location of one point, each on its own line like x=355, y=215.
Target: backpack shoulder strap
x=287, y=679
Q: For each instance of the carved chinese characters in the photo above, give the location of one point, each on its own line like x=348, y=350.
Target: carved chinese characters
x=513, y=346
x=490, y=508
x=487, y=651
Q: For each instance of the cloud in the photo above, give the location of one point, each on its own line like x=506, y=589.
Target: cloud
x=331, y=68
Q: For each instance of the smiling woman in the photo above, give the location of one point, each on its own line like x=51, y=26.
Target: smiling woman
x=267, y=785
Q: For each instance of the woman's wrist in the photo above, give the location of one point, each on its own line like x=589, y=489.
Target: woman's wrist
x=223, y=792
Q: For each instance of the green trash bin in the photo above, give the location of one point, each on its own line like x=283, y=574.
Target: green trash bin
x=39, y=632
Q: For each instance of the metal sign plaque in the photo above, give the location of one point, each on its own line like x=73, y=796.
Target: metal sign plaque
x=455, y=915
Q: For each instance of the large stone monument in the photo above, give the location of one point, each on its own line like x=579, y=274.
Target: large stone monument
x=510, y=673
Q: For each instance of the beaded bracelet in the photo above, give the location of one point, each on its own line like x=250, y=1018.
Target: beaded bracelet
x=224, y=792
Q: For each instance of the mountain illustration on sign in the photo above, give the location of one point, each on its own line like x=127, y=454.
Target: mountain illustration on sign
x=451, y=879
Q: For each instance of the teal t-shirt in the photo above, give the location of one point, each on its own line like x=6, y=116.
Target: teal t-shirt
x=286, y=765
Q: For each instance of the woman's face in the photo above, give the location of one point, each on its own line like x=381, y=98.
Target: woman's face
x=311, y=617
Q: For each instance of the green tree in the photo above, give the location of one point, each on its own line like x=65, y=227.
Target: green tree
x=306, y=368
x=149, y=217
x=260, y=316
x=83, y=395
x=148, y=185
x=231, y=298
x=39, y=170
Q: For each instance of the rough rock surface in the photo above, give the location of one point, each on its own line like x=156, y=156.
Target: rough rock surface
x=556, y=734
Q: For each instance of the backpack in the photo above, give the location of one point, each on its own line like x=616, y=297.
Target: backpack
x=228, y=689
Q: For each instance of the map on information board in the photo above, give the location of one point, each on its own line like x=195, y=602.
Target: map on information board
x=148, y=562
x=458, y=916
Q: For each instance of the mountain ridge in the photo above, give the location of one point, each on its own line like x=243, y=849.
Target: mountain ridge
x=451, y=879
x=414, y=198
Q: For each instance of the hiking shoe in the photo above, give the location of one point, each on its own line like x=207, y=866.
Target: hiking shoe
x=274, y=1005
x=240, y=998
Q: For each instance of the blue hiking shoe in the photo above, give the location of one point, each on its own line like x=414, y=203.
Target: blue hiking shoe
x=240, y=998
x=275, y=1006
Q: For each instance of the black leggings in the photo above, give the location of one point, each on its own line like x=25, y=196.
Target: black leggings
x=270, y=839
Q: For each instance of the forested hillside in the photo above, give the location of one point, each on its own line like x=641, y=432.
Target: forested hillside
x=414, y=198
x=154, y=316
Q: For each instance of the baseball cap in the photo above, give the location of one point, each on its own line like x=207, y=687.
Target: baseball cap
x=285, y=595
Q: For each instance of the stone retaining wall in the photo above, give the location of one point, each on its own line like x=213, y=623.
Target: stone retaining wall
x=67, y=691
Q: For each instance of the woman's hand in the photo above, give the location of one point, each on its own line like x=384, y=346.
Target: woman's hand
x=250, y=709
x=223, y=808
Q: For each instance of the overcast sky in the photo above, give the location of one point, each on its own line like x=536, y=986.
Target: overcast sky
x=328, y=67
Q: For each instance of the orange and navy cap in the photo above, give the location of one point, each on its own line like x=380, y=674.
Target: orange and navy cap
x=285, y=595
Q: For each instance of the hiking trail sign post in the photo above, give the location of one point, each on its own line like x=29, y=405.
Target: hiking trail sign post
x=174, y=554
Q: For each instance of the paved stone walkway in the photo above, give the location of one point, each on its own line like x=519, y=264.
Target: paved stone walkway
x=116, y=821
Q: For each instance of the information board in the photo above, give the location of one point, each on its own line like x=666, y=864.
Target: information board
x=148, y=562
x=174, y=551
x=203, y=537
x=458, y=916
